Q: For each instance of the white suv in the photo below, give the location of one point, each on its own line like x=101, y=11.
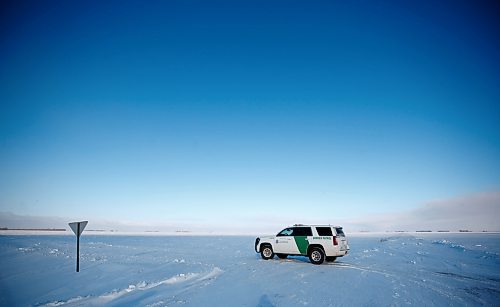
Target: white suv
x=318, y=242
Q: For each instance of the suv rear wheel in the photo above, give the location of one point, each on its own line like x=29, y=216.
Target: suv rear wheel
x=316, y=255
x=266, y=252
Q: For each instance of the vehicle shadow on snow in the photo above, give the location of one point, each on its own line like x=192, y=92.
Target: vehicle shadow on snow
x=304, y=259
x=340, y=264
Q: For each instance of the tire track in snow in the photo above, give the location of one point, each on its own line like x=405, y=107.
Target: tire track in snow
x=359, y=268
x=342, y=265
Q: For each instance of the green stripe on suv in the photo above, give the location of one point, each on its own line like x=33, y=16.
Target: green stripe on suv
x=302, y=244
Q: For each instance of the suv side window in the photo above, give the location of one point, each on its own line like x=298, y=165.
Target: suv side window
x=285, y=232
x=324, y=231
x=302, y=231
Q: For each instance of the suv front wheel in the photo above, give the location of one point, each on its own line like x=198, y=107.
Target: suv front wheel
x=316, y=255
x=266, y=252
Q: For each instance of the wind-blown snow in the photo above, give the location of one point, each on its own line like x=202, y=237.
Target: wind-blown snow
x=113, y=296
x=421, y=269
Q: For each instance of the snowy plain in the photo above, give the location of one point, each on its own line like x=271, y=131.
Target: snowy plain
x=381, y=269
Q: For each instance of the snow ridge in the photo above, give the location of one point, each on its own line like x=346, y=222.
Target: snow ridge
x=140, y=286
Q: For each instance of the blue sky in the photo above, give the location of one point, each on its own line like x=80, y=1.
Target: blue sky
x=217, y=112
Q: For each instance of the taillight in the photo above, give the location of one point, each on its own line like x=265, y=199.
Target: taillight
x=335, y=241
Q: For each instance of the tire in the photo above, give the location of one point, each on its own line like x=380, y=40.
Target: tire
x=282, y=256
x=316, y=255
x=330, y=258
x=266, y=252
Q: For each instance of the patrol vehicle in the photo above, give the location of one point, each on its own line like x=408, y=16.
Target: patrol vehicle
x=318, y=242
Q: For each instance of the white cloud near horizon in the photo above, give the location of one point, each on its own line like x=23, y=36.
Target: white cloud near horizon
x=476, y=212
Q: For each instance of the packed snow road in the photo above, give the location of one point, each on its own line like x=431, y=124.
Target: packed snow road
x=397, y=269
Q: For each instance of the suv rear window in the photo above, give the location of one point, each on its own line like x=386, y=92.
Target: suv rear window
x=302, y=231
x=339, y=231
x=324, y=231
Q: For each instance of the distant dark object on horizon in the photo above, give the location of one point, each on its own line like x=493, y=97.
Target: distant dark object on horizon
x=33, y=229
x=424, y=231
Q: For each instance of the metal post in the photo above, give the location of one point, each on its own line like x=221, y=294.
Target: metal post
x=78, y=228
x=78, y=249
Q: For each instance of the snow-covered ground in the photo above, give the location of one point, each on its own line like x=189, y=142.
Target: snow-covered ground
x=384, y=269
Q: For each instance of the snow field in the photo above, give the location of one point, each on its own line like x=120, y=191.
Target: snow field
x=401, y=269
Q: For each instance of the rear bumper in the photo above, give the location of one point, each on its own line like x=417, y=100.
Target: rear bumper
x=343, y=253
x=257, y=245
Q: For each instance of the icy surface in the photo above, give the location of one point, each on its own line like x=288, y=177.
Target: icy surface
x=401, y=269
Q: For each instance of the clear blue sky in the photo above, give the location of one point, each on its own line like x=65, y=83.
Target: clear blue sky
x=215, y=111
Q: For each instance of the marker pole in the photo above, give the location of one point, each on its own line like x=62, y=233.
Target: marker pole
x=78, y=228
x=78, y=248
